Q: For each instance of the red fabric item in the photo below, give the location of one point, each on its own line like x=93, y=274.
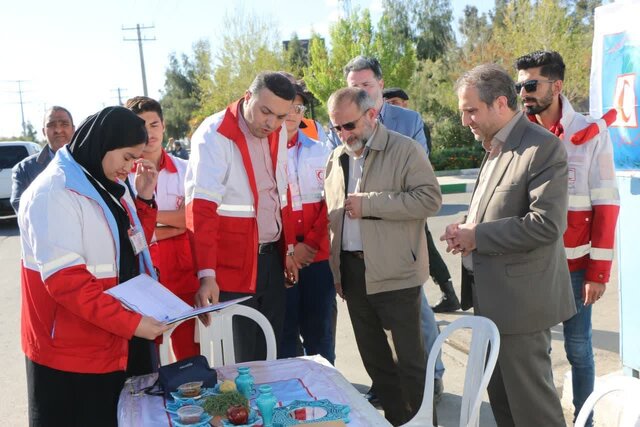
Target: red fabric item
x=68, y=317
x=592, y=130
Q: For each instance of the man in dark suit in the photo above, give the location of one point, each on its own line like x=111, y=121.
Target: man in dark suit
x=58, y=130
x=514, y=263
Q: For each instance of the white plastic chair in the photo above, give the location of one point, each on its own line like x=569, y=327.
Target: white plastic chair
x=483, y=355
x=629, y=386
x=216, y=340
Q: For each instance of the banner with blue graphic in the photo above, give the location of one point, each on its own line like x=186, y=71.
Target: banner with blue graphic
x=615, y=78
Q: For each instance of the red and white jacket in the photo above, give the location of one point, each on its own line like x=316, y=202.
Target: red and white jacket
x=173, y=256
x=70, y=256
x=307, y=162
x=222, y=199
x=594, y=202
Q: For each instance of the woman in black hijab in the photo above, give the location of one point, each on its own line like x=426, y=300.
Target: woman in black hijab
x=81, y=234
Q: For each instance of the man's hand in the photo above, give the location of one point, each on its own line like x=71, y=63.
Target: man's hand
x=338, y=287
x=146, y=178
x=149, y=328
x=449, y=234
x=592, y=291
x=465, y=239
x=209, y=293
x=353, y=205
x=291, y=270
x=304, y=254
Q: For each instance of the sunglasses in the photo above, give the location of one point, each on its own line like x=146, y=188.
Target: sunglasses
x=347, y=126
x=530, y=85
x=298, y=108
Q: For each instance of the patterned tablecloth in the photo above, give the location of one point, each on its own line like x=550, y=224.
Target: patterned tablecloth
x=308, y=378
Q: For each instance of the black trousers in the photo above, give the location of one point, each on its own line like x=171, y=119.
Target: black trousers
x=68, y=399
x=437, y=268
x=269, y=299
x=397, y=370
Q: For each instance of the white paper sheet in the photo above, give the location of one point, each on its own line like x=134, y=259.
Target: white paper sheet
x=148, y=297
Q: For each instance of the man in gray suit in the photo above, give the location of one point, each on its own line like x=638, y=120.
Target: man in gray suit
x=366, y=73
x=514, y=264
x=58, y=130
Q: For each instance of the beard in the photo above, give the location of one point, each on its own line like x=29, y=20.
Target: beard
x=540, y=105
x=355, y=146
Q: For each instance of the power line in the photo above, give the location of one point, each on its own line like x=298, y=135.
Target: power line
x=139, y=39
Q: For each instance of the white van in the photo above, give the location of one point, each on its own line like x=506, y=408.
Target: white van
x=11, y=152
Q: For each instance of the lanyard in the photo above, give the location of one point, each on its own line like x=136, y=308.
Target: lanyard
x=122, y=205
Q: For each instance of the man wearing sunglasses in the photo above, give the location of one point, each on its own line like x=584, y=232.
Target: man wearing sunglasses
x=366, y=73
x=379, y=189
x=593, y=204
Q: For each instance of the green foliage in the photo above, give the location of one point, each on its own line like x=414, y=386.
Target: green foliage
x=219, y=403
x=185, y=81
x=356, y=36
x=30, y=133
x=251, y=44
x=434, y=35
x=296, y=57
x=458, y=157
x=415, y=45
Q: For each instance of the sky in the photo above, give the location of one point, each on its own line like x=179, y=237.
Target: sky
x=72, y=53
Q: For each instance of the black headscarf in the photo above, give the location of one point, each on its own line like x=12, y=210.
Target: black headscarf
x=110, y=129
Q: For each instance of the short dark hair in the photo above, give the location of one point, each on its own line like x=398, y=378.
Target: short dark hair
x=143, y=104
x=492, y=81
x=395, y=92
x=550, y=61
x=57, y=108
x=360, y=63
x=276, y=82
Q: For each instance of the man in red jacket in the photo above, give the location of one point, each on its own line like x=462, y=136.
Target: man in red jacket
x=593, y=204
x=236, y=194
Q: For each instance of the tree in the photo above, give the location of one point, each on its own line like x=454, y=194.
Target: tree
x=251, y=44
x=182, y=93
x=30, y=133
x=433, y=32
x=296, y=56
x=355, y=36
x=572, y=39
x=394, y=49
x=349, y=37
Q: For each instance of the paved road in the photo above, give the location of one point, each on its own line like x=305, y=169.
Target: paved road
x=12, y=375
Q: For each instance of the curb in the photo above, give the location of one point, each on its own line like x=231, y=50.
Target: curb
x=457, y=188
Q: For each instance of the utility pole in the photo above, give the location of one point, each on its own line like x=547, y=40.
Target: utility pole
x=24, y=123
x=139, y=39
x=119, y=90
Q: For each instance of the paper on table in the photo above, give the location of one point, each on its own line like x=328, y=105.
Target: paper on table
x=148, y=297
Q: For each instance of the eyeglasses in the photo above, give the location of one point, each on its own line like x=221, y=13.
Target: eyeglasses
x=298, y=108
x=530, y=85
x=347, y=126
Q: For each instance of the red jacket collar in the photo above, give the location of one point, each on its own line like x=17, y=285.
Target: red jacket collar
x=166, y=162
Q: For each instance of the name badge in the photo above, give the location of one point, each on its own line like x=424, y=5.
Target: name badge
x=137, y=239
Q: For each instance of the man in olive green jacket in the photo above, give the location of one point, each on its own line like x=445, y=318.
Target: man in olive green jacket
x=379, y=189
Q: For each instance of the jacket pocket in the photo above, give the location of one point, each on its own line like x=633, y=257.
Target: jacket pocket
x=526, y=268
x=232, y=247
x=506, y=187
